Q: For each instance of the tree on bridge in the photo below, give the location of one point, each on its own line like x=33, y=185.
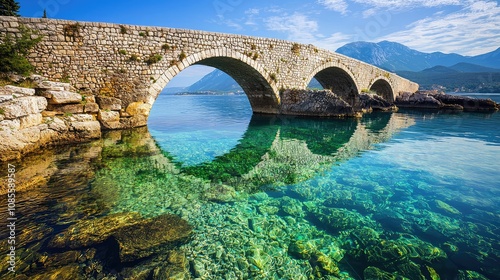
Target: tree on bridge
x=9, y=8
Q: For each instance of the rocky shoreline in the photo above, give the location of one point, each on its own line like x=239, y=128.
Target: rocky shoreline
x=54, y=113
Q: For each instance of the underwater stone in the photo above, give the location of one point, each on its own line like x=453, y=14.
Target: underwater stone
x=268, y=209
x=374, y=273
x=470, y=275
x=292, y=207
x=62, y=259
x=410, y=270
x=71, y=271
x=325, y=263
x=301, y=249
x=89, y=232
x=220, y=193
x=446, y=208
x=338, y=219
x=143, y=239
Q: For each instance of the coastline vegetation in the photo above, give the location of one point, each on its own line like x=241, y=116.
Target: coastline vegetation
x=13, y=51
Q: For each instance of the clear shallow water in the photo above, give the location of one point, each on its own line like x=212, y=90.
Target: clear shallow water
x=409, y=194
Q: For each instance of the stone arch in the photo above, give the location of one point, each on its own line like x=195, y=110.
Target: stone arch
x=382, y=86
x=337, y=78
x=250, y=75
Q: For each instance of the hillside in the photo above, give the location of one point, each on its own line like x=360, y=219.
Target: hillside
x=397, y=57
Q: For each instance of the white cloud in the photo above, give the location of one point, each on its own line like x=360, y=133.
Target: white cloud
x=473, y=30
x=335, y=5
x=251, y=16
x=395, y=4
x=297, y=26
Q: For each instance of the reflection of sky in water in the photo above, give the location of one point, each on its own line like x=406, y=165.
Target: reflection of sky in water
x=197, y=129
x=467, y=161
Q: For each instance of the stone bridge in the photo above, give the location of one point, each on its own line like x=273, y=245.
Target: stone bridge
x=134, y=63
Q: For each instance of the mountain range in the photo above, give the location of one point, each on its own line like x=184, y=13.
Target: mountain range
x=397, y=57
x=449, y=72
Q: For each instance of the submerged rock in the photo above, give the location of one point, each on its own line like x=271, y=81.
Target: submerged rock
x=470, y=275
x=220, y=193
x=145, y=238
x=446, y=208
x=90, y=232
x=137, y=237
x=374, y=273
x=71, y=271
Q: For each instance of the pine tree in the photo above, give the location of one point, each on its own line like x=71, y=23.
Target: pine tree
x=44, y=13
x=9, y=8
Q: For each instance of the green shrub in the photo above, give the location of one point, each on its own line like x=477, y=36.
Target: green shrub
x=142, y=34
x=296, y=48
x=133, y=57
x=255, y=56
x=153, y=59
x=182, y=56
x=273, y=77
x=2, y=111
x=13, y=52
x=165, y=47
x=123, y=52
x=123, y=29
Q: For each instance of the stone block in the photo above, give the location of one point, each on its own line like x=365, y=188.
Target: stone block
x=23, y=106
x=5, y=97
x=67, y=109
x=30, y=120
x=108, y=116
x=57, y=124
x=90, y=98
x=90, y=129
x=55, y=86
x=49, y=114
x=109, y=103
x=91, y=108
x=81, y=118
x=64, y=97
x=138, y=108
x=20, y=90
x=10, y=124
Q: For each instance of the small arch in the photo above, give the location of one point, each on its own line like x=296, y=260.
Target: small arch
x=383, y=88
x=337, y=79
x=255, y=82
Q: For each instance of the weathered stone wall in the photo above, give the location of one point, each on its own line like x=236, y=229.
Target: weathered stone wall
x=134, y=63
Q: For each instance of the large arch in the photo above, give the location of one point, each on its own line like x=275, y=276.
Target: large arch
x=258, y=85
x=338, y=79
x=383, y=88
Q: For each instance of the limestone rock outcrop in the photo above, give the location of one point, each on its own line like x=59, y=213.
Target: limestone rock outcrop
x=439, y=100
x=46, y=115
x=323, y=103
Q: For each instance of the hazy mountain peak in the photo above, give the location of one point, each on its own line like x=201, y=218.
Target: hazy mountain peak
x=398, y=57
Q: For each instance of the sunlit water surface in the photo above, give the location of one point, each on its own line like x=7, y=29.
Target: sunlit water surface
x=209, y=191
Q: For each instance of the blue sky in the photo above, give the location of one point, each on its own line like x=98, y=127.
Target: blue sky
x=462, y=26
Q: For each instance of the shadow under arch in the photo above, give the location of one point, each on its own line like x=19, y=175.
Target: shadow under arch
x=337, y=79
x=250, y=75
x=383, y=88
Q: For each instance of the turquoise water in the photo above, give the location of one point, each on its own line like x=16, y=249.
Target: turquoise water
x=408, y=194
